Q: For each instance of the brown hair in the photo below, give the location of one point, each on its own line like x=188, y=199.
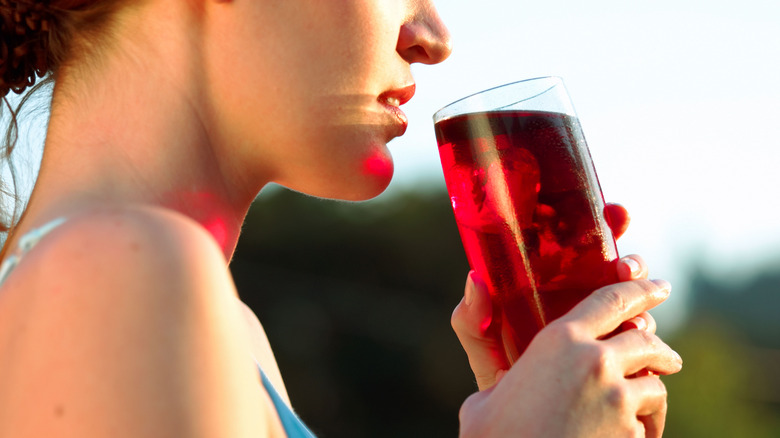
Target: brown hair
x=38, y=37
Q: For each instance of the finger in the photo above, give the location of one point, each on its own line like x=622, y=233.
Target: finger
x=651, y=324
x=653, y=405
x=643, y=321
x=640, y=429
x=617, y=218
x=471, y=321
x=635, y=323
x=654, y=424
x=638, y=350
x=632, y=267
x=607, y=308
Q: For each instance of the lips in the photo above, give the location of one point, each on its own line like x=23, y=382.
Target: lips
x=392, y=100
x=398, y=96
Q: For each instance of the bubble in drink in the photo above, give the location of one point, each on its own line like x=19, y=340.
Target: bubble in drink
x=530, y=213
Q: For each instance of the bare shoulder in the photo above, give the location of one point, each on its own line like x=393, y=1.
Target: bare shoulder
x=134, y=237
x=139, y=255
x=126, y=321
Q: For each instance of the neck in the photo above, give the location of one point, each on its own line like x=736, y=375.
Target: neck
x=136, y=132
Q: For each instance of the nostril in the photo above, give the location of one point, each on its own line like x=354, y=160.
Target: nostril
x=423, y=43
x=415, y=54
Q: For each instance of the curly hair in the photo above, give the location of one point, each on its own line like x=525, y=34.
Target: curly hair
x=37, y=38
x=26, y=26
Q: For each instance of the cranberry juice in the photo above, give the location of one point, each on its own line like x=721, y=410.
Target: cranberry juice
x=530, y=213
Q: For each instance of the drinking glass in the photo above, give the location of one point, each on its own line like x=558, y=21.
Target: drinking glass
x=527, y=202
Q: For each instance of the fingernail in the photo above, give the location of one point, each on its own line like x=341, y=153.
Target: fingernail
x=677, y=356
x=633, y=265
x=469, y=297
x=638, y=323
x=664, y=287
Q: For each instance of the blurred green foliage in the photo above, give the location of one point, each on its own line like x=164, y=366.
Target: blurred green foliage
x=723, y=390
x=730, y=383
x=356, y=300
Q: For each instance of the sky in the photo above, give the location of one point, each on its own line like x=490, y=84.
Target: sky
x=680, y=104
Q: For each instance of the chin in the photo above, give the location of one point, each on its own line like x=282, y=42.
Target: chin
x=371, y=182
x=356, y=192
x=368, y=181
x=368, y=191
x=377, y=171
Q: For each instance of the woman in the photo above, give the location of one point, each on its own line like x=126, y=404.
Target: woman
x=118, y=316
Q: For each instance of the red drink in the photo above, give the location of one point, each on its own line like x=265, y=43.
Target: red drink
x=530, y=213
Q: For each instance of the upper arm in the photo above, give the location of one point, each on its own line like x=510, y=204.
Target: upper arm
x=127, y=325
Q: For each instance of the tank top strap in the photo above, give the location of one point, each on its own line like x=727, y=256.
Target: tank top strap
x=25, y=244
x=292, y=424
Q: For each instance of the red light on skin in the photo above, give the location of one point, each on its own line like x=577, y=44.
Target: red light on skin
x=378, y=166
x=218, y=230
x=484, y=325
x=206, y=209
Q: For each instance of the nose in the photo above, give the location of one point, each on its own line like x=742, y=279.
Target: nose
x=424, y=38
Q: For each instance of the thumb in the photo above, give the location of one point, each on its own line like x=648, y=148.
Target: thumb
x=471, y=321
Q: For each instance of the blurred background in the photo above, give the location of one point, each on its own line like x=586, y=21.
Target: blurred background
x=680, y=103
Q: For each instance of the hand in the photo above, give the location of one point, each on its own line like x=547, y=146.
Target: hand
x=593, y=362
x=471, y=318
x=471, y=322
x=575, y=380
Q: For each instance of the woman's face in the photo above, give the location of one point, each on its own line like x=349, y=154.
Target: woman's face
x=307, y=91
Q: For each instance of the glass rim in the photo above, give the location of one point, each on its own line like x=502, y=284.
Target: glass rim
x=437, y=118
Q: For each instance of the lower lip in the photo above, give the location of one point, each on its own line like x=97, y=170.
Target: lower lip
x=401, y=120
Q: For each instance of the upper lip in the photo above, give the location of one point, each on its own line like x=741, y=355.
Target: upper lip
x=398, y=96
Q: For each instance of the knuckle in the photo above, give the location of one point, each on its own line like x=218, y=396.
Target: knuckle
x=612, y=298
x=597, y=359
x=467, y=407
x=470, y=414
x=457, y=319
x=617, y=397
x=560, y=333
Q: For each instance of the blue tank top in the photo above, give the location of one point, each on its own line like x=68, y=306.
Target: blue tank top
x=293, y=426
